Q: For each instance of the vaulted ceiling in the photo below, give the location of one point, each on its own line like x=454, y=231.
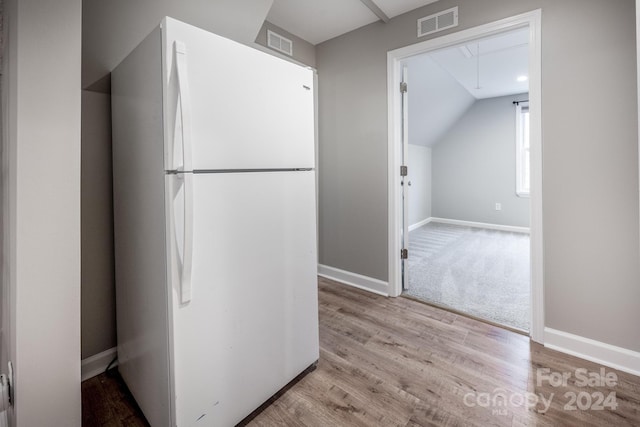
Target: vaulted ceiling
x=445, y=83
x=317, y=21
x=490, y=67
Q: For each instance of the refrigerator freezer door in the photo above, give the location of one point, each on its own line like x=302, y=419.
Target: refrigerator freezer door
x=248, y=109
x=252, y=323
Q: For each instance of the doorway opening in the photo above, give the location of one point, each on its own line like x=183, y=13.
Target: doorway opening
x=465, y=223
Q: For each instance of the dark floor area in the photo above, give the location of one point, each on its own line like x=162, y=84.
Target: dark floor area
x=106, y=402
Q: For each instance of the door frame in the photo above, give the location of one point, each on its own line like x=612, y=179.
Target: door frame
x=404, y=193
x=532, y=20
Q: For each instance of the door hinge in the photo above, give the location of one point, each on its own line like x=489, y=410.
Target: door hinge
x=403, y=87
x=404, y=171
x=404, y=253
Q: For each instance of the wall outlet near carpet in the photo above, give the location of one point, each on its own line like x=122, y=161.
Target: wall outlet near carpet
x=498, y=206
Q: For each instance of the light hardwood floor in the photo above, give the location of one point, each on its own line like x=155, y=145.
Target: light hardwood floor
x=398, y=362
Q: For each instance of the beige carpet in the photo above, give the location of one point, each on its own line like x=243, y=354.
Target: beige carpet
x=485, y=273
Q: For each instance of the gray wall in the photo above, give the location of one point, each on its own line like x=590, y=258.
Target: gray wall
x=474, y=166
x=111, y=29
x=436, y=100
x=41, y=150
x=590, y=158
x=303, y=51
x=419, y=163
x=98, y=293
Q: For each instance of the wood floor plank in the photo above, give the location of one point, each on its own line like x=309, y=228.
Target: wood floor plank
x=414, y=377
x=394, y=405
x=95, y=403
x=398, y=362
x=106, y=402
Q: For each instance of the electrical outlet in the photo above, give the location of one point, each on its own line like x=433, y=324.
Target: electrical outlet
x=498, y=206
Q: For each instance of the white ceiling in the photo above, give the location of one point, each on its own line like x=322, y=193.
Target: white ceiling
x=397, y=7
x=442, y=84
x=317, y=21
x=436, y=103
x=502, y=60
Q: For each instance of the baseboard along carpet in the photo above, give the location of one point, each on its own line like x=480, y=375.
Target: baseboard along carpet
x=481, y=272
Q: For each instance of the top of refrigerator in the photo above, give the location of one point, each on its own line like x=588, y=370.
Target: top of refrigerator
x=228, y=106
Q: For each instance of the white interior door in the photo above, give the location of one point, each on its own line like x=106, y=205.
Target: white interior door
x=404, y=179
x=251, y=324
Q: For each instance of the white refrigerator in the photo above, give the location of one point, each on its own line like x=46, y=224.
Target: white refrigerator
x=215, y=225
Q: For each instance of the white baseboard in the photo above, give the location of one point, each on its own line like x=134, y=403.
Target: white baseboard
x=353, y=279
x=97, y=364
x=511, y=228
x=604, y=354
x=419, y=224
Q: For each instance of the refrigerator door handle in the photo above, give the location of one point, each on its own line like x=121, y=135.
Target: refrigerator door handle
x=187, y=253
x=180, y=55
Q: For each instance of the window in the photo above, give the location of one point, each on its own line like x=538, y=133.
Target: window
x=523, y=150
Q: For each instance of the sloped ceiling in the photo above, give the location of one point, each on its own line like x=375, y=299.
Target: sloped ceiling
x=398, y=7
x=436, y=101
x=111, y=29
x=494, y=71
x=317, y=21
x=444, y=84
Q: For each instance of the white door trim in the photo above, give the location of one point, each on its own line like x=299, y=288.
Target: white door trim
x=405, y=189
x=532, y=20
x=638, y=70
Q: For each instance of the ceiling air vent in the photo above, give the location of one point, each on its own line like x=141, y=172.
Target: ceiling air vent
x=438, y=22
x=279, y=43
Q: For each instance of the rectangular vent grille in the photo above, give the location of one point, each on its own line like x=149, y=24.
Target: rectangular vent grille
x=279, y=43
x=438, y=22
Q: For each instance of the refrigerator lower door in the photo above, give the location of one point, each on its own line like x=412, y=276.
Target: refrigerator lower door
x=251, y=325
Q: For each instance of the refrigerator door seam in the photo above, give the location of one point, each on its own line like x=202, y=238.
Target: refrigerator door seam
x=202, y=171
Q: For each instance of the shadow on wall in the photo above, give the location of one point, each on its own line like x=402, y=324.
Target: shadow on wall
x=97, y=258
